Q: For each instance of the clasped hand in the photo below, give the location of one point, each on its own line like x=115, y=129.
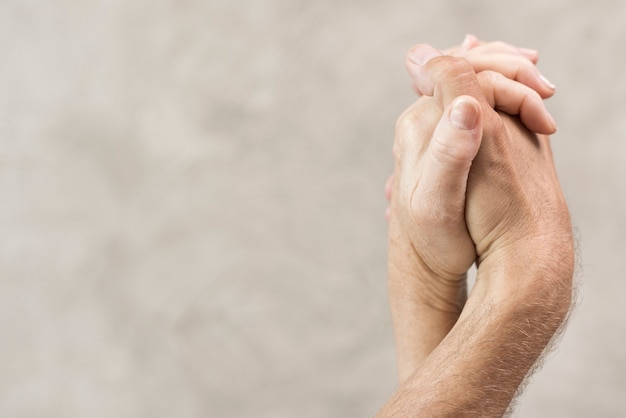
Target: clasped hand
x=474, y=181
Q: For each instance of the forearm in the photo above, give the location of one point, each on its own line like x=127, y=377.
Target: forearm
x=423, y=307
x=479, y=365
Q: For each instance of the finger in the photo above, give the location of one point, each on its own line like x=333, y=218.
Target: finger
x=472, y=45
x=449, y=77
x=447, y=161
x=514, y=67
x=503, y=48
x=388, y=188
x=517, y=99
x=452, y=79
x=469, y=42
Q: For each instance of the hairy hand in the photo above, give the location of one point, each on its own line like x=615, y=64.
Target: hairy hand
x=498, y=181
x=433, y=221
x=516, y=213
x=514, y=204
x=434, y=150
x=430, y=245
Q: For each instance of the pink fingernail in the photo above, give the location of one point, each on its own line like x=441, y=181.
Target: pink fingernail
x=464, y=115
x=551, y=120
x=546, y=81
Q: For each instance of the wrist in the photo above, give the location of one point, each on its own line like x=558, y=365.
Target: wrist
x=535, y=273
x=411, y=280
x=424, y=308
x=499, y=335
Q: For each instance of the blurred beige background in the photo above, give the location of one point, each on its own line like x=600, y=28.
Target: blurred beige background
x=191, y=204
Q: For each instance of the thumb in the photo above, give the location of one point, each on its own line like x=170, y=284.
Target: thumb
x=447, y=161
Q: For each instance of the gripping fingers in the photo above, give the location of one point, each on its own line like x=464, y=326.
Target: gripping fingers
x=515, y=98
x=514, y=67
x=443, y=76
x=503, y=48
x=448, y=77
x=472, y=45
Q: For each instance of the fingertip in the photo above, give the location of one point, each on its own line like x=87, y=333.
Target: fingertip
x=546, y=94
x=544, y=129
x=416, y=59
x=420, y=54
x=542, y=85
x=552, y=127
x=542, y=123
x=546, y=82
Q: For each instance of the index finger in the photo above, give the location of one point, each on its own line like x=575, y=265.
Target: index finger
x=442, y=76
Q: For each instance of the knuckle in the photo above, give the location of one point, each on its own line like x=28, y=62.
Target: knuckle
x=405, y=126
x=489, y=82
x=490, y=76
x=454, y=75
x=407, y=120
x=526, y=65
x=492, y=80
x=453, y=67
x=415, y=125
x=525, y=68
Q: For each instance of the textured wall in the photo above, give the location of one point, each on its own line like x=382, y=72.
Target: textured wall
x=191, y=206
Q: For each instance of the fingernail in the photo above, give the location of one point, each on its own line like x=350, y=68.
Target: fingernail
x=551, y=120
x=423, y=53
x=464, y=115
x=546, y=82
